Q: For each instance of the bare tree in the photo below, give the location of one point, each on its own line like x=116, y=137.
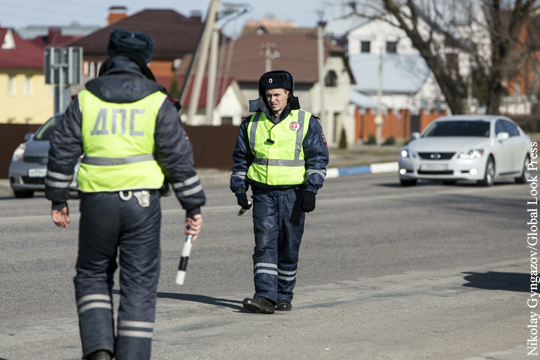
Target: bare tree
x=489, y=35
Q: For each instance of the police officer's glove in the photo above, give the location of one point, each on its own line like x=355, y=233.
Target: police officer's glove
x=308, y=203
x=243, y=201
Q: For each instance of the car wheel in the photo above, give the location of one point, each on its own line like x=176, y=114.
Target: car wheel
x=411, y=182
x=23, y=194
x=525, y=175
x=489, y=174
x=450, y=182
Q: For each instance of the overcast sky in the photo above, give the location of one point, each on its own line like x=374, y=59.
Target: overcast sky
x=19, y=14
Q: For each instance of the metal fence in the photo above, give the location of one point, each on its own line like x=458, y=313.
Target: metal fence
x=212, y=145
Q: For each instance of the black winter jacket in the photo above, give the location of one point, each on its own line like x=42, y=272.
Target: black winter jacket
x=315, y=152
x=124, y=82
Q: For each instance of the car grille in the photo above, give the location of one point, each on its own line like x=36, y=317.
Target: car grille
x=436, y=156
x=36, y=159
x=33, y=181
x=436, y=172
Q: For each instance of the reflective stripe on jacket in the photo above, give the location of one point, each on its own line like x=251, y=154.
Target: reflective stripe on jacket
x=277, y=148
x=118, y=144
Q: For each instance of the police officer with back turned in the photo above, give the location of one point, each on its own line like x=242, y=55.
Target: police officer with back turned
x=282, y=153
x=133, y=144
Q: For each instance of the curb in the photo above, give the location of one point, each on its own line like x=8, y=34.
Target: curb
x=365, y=169
x=216, y=177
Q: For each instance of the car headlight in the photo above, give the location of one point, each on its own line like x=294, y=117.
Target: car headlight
x=19, y=153
x=404, y=153
x=471, y=154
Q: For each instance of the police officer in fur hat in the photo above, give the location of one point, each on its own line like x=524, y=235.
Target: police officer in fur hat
x=133, y=142
x=281, y=153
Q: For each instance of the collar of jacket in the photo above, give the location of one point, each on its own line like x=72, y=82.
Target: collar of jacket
x=122, y=82
x=260, y=105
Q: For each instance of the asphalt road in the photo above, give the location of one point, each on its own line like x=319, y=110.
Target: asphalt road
x=428, y=272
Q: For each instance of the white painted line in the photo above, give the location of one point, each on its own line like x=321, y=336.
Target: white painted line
x=384, y=167
x=332, y=173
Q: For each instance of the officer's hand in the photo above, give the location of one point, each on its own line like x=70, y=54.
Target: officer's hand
x=243, y=201
x=308, y=203
x=193, y=226
x=61, y=217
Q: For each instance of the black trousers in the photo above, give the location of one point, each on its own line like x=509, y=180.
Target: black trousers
x=278, y=224
x=109, y=225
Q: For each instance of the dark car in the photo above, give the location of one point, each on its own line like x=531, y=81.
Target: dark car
x=29, y=162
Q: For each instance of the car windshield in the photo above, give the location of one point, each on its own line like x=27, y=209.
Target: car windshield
x=45, y=131
x=476, y=128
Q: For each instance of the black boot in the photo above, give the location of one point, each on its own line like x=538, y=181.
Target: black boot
x=100, y=355
x=259, y=304
x=284, y=305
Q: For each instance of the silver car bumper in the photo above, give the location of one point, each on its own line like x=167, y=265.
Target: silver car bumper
x=31, y=176
x=452, y=169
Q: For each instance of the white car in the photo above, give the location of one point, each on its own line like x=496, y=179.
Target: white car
x=29, y=162
x=467, y=147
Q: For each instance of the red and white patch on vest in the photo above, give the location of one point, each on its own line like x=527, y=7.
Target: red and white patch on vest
x=324, y=140
x=294, y=126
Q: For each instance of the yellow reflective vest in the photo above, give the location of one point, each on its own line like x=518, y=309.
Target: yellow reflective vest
x=279, y=154
x=118, y=144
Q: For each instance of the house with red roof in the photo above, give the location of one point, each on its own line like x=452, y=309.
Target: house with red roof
x=230, y=106
x=24, y=96
x=54, y=38
x=298, y=54
x=174, y=35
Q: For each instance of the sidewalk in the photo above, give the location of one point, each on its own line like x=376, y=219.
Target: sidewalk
x=355, y=160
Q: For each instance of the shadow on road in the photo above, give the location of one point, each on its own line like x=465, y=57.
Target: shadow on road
x=203, y=299
x=494, y=280
x=463, y=183
x=196, y=298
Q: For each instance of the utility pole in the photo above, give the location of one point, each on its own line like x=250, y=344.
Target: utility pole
x=210, y=94
x=201, y=65
x=269, y=55
x=470, y=88
x=320, y=62
x=378, y=117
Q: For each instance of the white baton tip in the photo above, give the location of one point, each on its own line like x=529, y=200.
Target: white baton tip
x=180, y=276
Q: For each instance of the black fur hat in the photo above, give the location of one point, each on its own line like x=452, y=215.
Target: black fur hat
x=277, y=79
x=134, y=43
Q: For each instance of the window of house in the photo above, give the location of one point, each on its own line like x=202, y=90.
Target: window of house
x=11, y=85
x=391, y=47
x=331, y=79
x=226, y=120
x=10, y=120
x=365, y=46
x=28, y=120
x=28, y=85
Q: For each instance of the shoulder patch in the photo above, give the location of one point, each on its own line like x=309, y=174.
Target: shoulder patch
x=175, y=102
x=324, y=139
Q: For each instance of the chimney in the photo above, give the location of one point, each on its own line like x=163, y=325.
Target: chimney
x=53, y=34
x=196, y=15
x=116, y=13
